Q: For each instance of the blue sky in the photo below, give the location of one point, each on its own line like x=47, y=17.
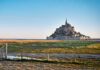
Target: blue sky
x=37, y=19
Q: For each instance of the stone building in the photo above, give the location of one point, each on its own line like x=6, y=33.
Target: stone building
x=67, y=32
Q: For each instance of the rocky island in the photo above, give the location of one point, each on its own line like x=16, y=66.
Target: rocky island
x=67, y=32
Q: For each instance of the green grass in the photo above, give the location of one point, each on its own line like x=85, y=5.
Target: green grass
x=71, y=46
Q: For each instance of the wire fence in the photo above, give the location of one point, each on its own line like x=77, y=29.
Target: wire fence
x=86, y=60
x=2, y=52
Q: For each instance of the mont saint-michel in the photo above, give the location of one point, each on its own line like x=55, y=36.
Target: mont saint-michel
x=67, y=32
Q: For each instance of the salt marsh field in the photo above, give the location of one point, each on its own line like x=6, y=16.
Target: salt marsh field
x=51, y=55
x=19, y=65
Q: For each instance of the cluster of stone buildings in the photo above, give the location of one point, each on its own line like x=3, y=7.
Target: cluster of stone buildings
x=67, y=32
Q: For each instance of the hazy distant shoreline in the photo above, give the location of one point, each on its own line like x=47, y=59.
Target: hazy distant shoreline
x=38, y=39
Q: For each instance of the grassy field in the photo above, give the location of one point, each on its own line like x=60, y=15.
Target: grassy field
x=52, y=46
x=19, y=65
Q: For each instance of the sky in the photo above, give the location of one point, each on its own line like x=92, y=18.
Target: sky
x=37, y=19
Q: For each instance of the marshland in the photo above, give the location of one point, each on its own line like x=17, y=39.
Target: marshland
x=51, y=54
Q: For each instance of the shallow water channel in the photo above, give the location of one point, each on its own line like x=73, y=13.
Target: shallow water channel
x=19, y=65
x=56, y=55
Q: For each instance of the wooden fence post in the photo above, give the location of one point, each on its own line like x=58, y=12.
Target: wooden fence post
x=6, y=48
x=48, y=57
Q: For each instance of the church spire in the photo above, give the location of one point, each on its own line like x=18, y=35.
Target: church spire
x=66, y=21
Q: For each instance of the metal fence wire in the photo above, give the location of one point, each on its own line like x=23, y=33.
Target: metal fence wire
x=69, y=60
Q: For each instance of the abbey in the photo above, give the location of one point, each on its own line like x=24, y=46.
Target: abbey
x=67, y=32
